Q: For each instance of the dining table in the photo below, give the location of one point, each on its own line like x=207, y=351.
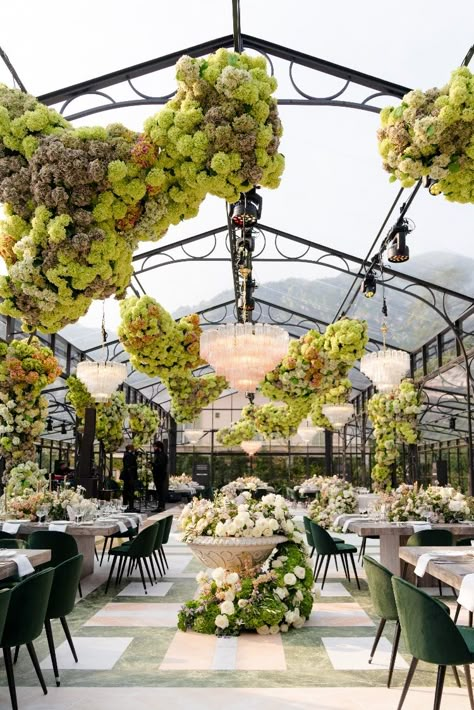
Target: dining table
x=8, y=566
x=393, y=536
x=448, y=564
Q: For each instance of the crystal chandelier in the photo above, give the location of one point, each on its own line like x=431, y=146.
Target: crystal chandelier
x=101, y=378
x=338, y=414
x=193, y=435
x=306, y=432
x=386, y=368
x=251, y=446
x=244, y=352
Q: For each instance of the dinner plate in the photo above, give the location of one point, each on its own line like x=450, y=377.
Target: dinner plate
x=61, y=522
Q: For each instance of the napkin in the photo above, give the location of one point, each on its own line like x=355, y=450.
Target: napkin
x=466, y=593
x=121, y=525
x=345, y=527
x=417, y=527
x=59, y=527
x=24, y=565
x=426, y=558
x=11, y=528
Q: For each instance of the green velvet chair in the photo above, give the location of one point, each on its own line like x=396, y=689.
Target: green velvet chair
x=430, y=635
x=12, y=543
x=327, y=548
x=62, y=545
x=24, y=623
x=309, y=535
x=130, y=534
x=430, y=538
x=61, y=602
x=379, y=579
x=160, y=531
x=138, y=551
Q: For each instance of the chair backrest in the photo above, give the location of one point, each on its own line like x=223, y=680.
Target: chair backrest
x=62, y=545
x=64, y=588
x=308, y=531
x=12, y=543
x=169, y=523
x=7, y=536
x=429, y=633
x=27, y=609
x=160, y=532
x=5, y=595
x=425, y=538
x=322, y=540
x=144, y=543
x=379, y=579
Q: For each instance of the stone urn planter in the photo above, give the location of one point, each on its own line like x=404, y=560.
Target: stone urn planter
x=234, y=553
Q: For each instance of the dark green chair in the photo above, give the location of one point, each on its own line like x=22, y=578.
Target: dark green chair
x=12, y=543
x=461, y=541
x=430, y=635
x=160, y=531
x=363, y=546
x=130, y=534
x=379, y=579
x=430, y=538
x=61, y=602
x=24, y=623
x=62, y=545
x=309, y=535
x=139, y=551
x=326, y=547
x=166, y=536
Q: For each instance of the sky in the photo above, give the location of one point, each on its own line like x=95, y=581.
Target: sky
x=334, y=190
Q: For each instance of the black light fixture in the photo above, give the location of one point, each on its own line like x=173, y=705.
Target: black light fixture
x=49, y=424
x=248, y=209
x=369, y=285
x=63, y=428
x=452, y=423
x=398, y=250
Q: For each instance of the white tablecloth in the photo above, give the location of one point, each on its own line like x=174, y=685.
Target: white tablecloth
x=427, y=557
x=466, y=594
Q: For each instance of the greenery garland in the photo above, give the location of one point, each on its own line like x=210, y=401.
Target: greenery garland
x=144, y=422
x=431, y=134
x=393, y=416
x=80, y=200
x=25, y=369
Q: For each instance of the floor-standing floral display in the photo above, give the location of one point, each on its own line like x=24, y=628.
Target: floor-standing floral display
x=143, y=421
x=394, y=418
x=80, y=200
x=110, y=415
x=26, y=367
x=270, y=599
x=431, y=134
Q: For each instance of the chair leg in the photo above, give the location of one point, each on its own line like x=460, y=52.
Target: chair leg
x=362, y=549
x=335, y=562
x=157, y=563
x=311, y=553
x=110, y=574
x=440, y=588
x=52, y=650
x=439, y=687
x=79, y=589
x=404, y=570
x=456, y=676
x=120, y=568
x=396, y=641
x=110, y=547
x=325, y=571
x=140, y=567
x=34, y=660
x=164, y=556
x=467, y=673
x=456, y=615
x=103, y=551
x=346, y=567
x=67, y=633
x=320, y=564
x=411, y=672
x=15, y=657
x=316, y=560
x=152, y=566
x=377, y=638
x=96, y=553
x=470, y=618
x=351, y=554
x=145, y=562
x=7, y=657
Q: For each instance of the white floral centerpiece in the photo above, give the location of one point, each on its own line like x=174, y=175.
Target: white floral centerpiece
x=438, y=504
x=243, y=483
x=337, y=497
x=180, y=481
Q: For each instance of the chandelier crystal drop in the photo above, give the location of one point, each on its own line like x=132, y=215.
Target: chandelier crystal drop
x=386, y=368
x=101, y=378
x=244, y=352
x=251, y=446
x=338, y=414
x=308, y=432
x=193, y=435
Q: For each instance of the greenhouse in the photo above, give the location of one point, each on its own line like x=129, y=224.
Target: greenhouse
x=236, y=356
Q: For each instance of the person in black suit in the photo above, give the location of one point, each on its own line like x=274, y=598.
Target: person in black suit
x=160, y=474
x=129, y=476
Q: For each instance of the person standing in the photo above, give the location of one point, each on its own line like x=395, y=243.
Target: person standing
x=160, y=474
x=129, y=476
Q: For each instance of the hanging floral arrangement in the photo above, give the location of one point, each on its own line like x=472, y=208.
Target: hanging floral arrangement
x=80, y=200
x=144, y=422
x=241, y=430
x=394, y=419
x=110, y=416
x=26, y=368
x=431, y=134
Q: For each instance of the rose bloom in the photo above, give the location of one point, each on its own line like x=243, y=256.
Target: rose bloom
x=227, y=607
x=289, y=578
x=222, y=622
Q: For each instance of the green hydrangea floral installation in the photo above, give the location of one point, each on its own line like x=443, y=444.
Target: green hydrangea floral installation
x=161, y=347
x=431, y=134
x=394, y=418
x=143, y=421
x=26, y=368
x=80, y=200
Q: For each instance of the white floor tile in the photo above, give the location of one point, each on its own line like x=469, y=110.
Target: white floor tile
x=135, y=589
x=332, y=589
x=352, y=653
x=338, y=614
x=93, y=653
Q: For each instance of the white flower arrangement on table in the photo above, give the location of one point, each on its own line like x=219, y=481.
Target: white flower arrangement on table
x=439, y=504
x=242, y=517
x=180, y=481
x=337, y=497
x=248, y=483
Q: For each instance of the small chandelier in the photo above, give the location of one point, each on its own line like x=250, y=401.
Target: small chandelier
x=338, y=414
x=386, y=368
x=193, y=435
x=101, y=378
x=251, y=446
x=308, y=432
x=244, y=352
